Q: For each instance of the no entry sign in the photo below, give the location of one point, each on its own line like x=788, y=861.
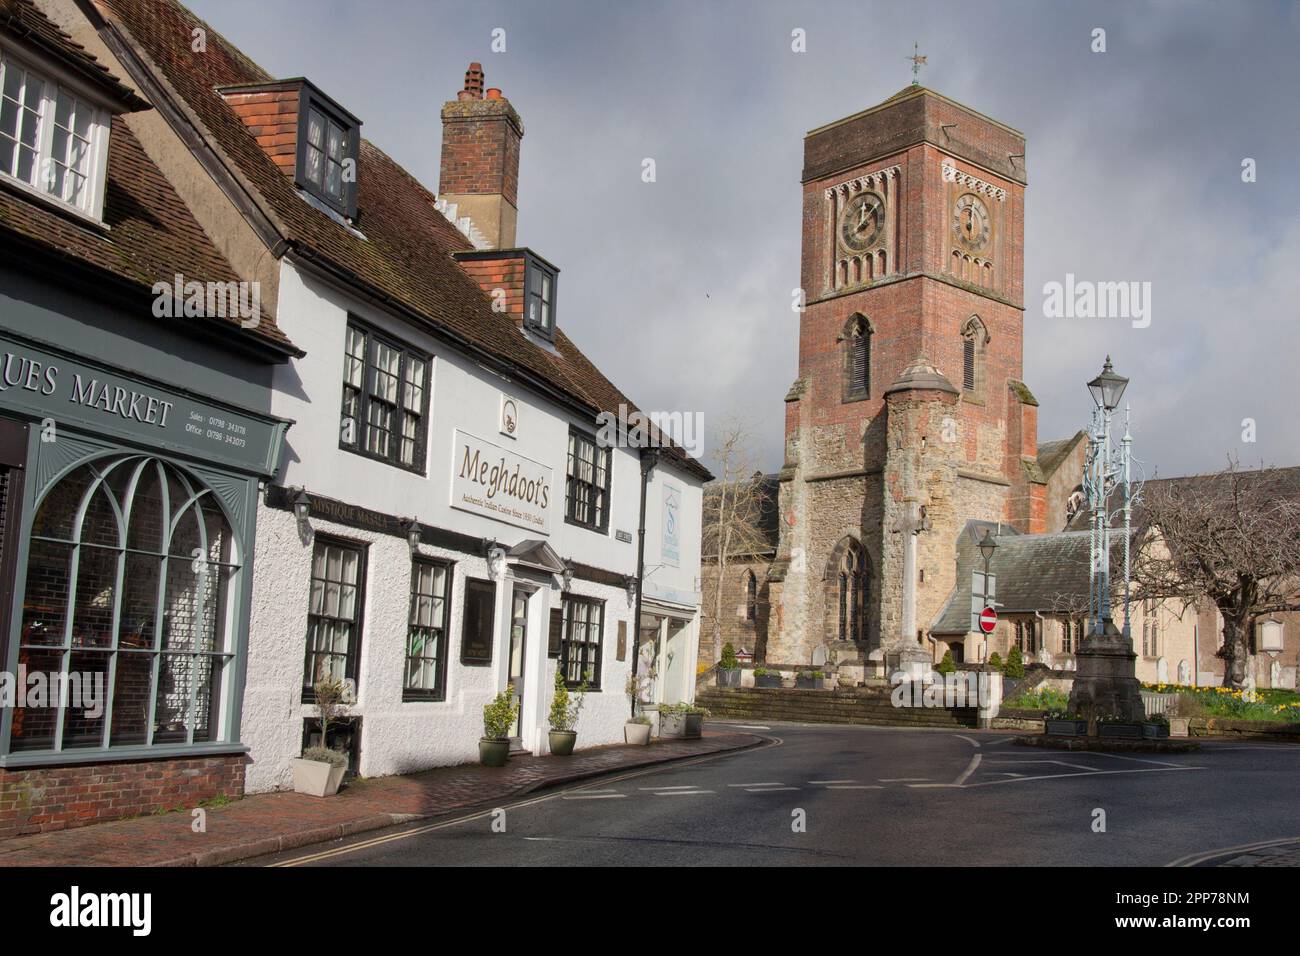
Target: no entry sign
x=988, y=620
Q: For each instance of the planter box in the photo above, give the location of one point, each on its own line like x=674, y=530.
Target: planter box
x=729, y=678
x=638, y=734
x=680, y=725
x=1066, y=728
x=1154, y=731
x=1121, y=731
x=1178, y=726
x=317, y=778
x=493, y=753
x=768, y=680
x=810, y=683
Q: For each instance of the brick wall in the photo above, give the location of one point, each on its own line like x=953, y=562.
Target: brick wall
x=734, y=626
x=505, y=273
x=480, y=149
x=42, y=799
x=272, y=117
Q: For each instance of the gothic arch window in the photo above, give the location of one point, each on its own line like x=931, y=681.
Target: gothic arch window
x=974, y=342
x=751, y=596
x=856, y=342
x=849, y=582
x=131, y=581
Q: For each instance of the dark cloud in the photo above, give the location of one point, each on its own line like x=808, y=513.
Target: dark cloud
x=681, y=289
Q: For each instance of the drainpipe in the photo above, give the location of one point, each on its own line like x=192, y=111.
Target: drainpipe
x=649, y=458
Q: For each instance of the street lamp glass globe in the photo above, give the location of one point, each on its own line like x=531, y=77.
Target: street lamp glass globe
x=1107, y=388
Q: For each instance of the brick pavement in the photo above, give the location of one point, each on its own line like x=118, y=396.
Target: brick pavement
x=269, y=823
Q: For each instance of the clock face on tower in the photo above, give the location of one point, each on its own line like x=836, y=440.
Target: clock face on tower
x=970, y=223
x=862, y=222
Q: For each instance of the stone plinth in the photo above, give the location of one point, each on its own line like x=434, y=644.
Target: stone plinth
x=1105, y=682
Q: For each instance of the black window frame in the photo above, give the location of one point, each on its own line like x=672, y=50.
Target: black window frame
x=439, y=691
x=410, y=355
x=586, y=664
x=482, y=585
x=596, y=522
x=536, y=267
x=310, y=100
x=352, y=670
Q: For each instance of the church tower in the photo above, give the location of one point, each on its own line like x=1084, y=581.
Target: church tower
x=909, y=416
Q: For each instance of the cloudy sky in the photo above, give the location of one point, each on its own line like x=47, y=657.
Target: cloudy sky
x=680, y=289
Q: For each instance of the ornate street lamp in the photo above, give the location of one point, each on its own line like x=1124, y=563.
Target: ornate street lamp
x=1108, y=388
x=988, y=544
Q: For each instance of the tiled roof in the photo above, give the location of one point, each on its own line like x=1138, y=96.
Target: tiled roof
x=152, y=235
x=1052, y=453
x=22, y=19
x=404, y=253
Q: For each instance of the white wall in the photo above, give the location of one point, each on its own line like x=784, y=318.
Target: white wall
x=400, y=737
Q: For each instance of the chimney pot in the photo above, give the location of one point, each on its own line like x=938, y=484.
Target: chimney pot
x=473, y=83
x=494, y=93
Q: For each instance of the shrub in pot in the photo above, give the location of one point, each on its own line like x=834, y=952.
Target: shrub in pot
x=1119, y=729
x=995, y=662
x=1059, y=723
x=1015, y=666
x=681, y=720
x=766, y=678
x=565, y=707
x=947, y=665
x=810, y=680
x=728, y=667
x=637, y=730
x=319, y=771
x=498, y=717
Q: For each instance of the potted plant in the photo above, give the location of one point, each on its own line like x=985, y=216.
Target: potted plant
x=683, y=719
x=565, y=708
x=995, y=662
x=498, y=717
x=319, y=771
x=1060, y=723
x=766, y=678
x=1157, y=726
x=810, y=680
x=728, y=667
x=636, y=730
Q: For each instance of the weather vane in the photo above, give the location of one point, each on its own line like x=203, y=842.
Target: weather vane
x=918, y=61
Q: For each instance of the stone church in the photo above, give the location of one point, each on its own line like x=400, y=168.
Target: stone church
x=910, y=423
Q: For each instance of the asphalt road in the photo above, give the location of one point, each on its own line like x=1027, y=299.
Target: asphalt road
x=873, y=796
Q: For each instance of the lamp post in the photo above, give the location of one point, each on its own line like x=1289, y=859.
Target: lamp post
x=1105, y=681
x=988, y=545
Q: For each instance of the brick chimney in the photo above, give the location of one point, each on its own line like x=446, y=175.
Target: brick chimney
x=481, y=133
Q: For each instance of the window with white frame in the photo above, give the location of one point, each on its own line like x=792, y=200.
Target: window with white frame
x=51, y=139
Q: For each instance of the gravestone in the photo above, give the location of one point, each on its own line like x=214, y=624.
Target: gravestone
x=1162, y=671
x=1275, y=674
x=1184, y=673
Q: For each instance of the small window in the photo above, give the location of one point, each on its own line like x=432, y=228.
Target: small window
x=555, y=638
x=52, y=140
x=426, y=633
x=479, y=619
x=583, y=625
x=539, y=314
x=751, y=596
x=974, y=340
x=338, y=573
x=385, y=399
x=587, y=487
x=328, y=144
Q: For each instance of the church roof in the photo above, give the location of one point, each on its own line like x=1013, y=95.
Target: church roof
x=922, y=375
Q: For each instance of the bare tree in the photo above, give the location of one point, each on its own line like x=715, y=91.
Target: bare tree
x=734, y=506
x=1231, y=538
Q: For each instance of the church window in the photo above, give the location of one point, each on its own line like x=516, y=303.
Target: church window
x=975, y=338
x=852, y=593
x=751, y=596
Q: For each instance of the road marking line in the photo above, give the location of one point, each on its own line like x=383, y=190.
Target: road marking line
x=769, y=789
x=1000, y=740
x=923, y=786
x=900, y=779
x=970, y=740
x=518, y=805
x=681, y=793
x=970, y=769
x=1095, y=773
x=596, y=796
x=751, y=727
x=775, y=783
x=854, y=786
x=1158, y=763
x=820, y=782
x=689, y=786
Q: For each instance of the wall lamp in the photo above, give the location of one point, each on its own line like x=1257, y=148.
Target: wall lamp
x=496, y=558
x=411, y=527
x=302, y=511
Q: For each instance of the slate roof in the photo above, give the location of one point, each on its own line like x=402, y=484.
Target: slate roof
x=151, y=234
x=1033, y=572
x=404, y=255
x=1052, y=453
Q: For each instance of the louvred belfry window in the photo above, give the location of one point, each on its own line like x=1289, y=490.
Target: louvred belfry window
x=968, y=365
x=131, y=575
x=857, y=359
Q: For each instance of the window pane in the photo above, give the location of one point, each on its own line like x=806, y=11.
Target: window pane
x=315, y=129
x=63, y=111
x=315, y=159
x=34, y=727
x=96, y=593
x=87, y=674
x=132, y=692
x=45, y=604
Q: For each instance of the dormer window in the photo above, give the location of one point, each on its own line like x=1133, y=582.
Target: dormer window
x=51, y=140
x=539, y=308
x=327, y=157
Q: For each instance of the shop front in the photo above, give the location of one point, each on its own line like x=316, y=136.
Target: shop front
x=127, y=510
